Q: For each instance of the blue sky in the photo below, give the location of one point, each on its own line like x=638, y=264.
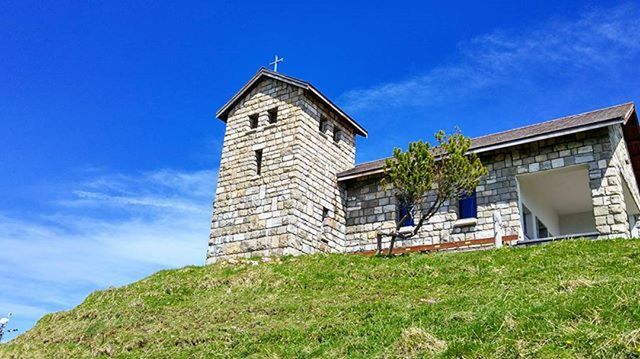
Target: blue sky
x=109, y=145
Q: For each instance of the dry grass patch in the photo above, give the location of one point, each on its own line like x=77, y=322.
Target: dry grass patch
x=416, y=342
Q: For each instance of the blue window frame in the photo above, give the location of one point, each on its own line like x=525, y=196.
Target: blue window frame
x=402, y=211
x=468, y=207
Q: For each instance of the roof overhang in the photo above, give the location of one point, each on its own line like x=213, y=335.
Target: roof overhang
x=223, y=112
x=375, y=168
x=546, y=136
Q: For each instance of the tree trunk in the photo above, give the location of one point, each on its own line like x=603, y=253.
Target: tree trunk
x=379, y=242
x=393, y=241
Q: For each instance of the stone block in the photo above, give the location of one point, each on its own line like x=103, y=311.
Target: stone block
x=583, y=159
x=558, y=162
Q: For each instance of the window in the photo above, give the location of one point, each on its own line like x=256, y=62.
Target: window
x=273, y=115
x=402, y=211
x=543, y=232
x=253, y=120
x=337, y=136
x=325, y=213
x=467, y=206
x=527, y=222
x=324, y=125
x=258, y=162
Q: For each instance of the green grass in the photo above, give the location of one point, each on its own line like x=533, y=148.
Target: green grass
x=563, y=300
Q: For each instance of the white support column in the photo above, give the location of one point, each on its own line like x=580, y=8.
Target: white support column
x=497, y=228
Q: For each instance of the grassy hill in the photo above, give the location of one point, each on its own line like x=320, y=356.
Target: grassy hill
x=568, y=299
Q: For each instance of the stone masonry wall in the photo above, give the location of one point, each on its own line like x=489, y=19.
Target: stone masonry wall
x=369, y=207
x=251, y=212
x=319, y=158
x=280, y=211
x=611, y=214
x=296, y=205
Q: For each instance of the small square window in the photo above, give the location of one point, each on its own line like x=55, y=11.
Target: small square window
x=325, y=213
x=324, y=125
x=273, y=115
x=259, y=162
x=467, y=206
x=253, y=120
x=337, y=136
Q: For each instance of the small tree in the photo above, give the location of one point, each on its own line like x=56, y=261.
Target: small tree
x=448, y=170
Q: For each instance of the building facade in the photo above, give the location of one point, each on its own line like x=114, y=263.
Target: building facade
x=288, y=182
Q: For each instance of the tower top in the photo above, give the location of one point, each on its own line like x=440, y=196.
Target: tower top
x=304, y=85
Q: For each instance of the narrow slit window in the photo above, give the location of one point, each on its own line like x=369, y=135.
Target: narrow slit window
x=253, y=120
x=273, y=115
x=403, y=210
x=259, y=162
x=468, y=207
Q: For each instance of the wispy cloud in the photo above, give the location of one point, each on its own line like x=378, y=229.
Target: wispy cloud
x=54, y=260
x=596, y=39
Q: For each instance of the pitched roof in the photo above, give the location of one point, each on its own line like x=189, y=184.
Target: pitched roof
x=263, y=72
x=539, y=131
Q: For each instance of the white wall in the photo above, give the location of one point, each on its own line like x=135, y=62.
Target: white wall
x=540, y=208
x=560, y=198
x=633, y=224
x=577, y=223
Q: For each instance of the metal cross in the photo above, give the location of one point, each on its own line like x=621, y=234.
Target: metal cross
x=275, y=63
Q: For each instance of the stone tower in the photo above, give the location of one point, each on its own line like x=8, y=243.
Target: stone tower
x=277, y=191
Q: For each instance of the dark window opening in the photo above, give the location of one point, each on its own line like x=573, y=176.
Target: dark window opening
x=253, y=120
x=325, y=213
x=543, y=232
x=258, y=162
x=468, y=207
x=403, y=210
x=324, y=125
x=337, y=136
x=273, y=115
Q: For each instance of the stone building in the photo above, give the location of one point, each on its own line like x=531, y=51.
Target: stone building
x=288, y=182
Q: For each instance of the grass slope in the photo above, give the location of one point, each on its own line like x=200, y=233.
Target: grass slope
x=568, y=299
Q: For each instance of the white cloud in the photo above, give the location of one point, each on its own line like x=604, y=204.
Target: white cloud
x=596, y=39
x=88, y=198
x=112, y=230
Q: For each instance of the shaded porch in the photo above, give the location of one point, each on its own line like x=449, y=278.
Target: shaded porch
x=556, y=203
